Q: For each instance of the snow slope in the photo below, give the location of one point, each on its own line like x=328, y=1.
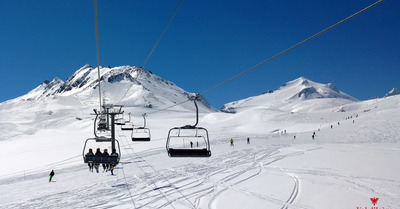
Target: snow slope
x=354, y=156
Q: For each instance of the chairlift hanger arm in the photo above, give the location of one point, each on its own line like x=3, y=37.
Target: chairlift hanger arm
x=194, y=98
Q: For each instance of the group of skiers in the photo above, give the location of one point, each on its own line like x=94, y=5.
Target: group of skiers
x=231, y=141
x=106, y=167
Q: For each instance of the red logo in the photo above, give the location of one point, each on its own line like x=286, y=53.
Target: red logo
x=374, y=200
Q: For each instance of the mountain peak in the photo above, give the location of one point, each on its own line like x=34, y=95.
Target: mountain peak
x=124, y=85
x=292, y=93
x=394, y=91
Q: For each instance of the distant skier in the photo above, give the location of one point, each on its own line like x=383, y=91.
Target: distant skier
x=248, y=140
x=313, y=136
x=232, y=142
x=51, y=175
x=191, y=144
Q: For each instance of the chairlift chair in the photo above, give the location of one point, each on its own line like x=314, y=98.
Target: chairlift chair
x=141, y=133
x=195, y=140
x=128, y=126
x=102, y=124
x=120, y=120
x=101, y=159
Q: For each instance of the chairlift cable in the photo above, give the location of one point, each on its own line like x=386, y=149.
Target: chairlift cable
x=169, y=107
x=279, y=54
x=152, y=50
x=162, y=34
x=97, y=49
x=294, y=46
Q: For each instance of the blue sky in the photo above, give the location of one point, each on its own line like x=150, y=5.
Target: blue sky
x=206, y=43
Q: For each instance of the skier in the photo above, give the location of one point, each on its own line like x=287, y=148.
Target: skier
x=232, y=142
x=90, y=164
x=191, y=144
x=105, y=166
x=248, y=140
x=51, y=175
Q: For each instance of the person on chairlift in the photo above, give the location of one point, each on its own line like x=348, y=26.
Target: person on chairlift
x=90, y=164
x=113, y=153
x=97, y=165
x=105, y=166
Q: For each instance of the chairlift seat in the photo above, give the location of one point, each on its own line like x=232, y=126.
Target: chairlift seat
x=189, y=152
x=99, y=159
x=126, y=129
x=140, y=139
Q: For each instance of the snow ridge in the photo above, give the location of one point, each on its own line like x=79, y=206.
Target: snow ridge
x=300, y=90
x=394, y=91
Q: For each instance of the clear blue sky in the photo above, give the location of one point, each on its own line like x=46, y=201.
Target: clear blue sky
x=207, y=42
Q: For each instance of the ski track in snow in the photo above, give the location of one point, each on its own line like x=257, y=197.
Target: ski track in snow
x=187, y=185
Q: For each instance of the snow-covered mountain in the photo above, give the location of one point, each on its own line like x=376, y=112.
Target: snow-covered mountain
x=296, y=95
x=124, y=85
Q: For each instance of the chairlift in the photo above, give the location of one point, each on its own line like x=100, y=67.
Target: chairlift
x=120, y=120
x=101, y=159
x=102, y=125
x=141, y=133
x=128, y=125
x=189, y=140
x=114, y=157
